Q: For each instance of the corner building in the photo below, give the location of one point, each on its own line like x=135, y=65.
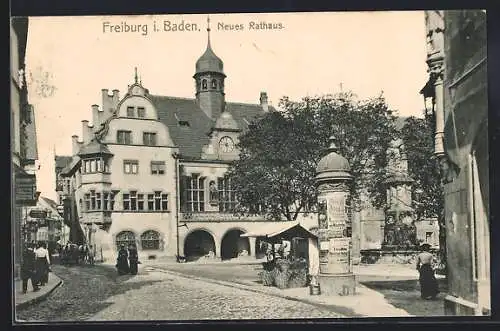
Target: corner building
x=151, y=170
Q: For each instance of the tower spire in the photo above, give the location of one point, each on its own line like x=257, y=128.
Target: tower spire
x=208, y=31
x=136, y=79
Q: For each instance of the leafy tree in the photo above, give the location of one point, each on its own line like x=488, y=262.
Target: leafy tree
x=279, y=153
x=418, y=137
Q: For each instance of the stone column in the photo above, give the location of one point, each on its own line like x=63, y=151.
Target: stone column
x=335, y=224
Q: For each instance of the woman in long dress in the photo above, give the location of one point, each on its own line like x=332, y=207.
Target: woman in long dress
x=428, y=283
x=122, y=261
x=133, y=259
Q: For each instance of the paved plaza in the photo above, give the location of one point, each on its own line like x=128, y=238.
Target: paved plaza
x=212, y=291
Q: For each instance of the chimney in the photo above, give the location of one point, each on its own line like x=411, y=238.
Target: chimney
x=263, y=101
x=74, y=144
x=96, y=116
x=85, y=131
x=116, y=98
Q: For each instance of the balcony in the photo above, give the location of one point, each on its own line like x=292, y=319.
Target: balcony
x=96, y=177
x=219, y=217
x=96, y=217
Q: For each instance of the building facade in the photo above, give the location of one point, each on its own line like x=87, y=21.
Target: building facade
x=458, y=88
x=150, y=170
x=24, y=151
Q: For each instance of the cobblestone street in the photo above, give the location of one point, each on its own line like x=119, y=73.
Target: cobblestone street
x=96, y=293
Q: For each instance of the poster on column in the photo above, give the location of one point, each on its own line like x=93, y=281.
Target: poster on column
x=339, y=254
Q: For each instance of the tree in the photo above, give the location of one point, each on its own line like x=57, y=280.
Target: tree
x=418, y=137
x=279, y=153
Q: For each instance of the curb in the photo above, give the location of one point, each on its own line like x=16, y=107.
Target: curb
x=340, y=310
x=39, y=298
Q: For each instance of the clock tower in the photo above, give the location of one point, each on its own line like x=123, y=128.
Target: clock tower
x=209, y=78
x=223, y=139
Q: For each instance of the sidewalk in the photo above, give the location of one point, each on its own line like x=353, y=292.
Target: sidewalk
x=366, y=303
x=24, y=300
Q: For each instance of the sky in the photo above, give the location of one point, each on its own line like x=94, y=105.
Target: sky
x=312, y=54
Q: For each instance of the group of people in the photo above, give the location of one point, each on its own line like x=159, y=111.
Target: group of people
x=35, y=266
x=127, y=260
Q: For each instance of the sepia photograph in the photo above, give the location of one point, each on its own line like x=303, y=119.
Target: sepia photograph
x=257, y=166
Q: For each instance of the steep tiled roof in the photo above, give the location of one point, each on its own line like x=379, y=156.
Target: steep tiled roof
x=50, y=202
x=62, y=161
x=94, y=147
x=189, y=125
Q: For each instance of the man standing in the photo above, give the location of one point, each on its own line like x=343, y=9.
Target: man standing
x=428, y=282
x=28, y=269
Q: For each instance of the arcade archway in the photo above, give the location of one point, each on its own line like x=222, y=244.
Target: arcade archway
x=232, y=244
x=198, y=244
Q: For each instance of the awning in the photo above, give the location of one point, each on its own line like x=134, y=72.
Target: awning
x=281, y=229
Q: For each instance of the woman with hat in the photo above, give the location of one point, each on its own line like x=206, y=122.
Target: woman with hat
x=428, y=282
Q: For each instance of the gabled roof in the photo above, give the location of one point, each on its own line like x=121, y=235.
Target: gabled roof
x=192, y=134
x=94, y=147
x=62, y=160
x=281, y=229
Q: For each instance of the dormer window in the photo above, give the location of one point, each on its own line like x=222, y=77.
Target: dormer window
x=130, y=111
x=204, y=84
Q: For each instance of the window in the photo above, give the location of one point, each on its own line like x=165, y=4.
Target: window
x=150, y=240
x=227, y=196
x=141, y=112
x=125, y=238
x=130, y=166
x=92, y=200
x=140, y=201
x=151, y=202
x=126, y=201
x=204, y=84
x=124, y=137
x=130, y=112
x=86, y=200
x=94, y=165
x=214, y=83
x=105, y=200
x=157, y=200
x=195, y=190
x=111, y=201
x=133, y=200
x=98, y=201
x=164, y=202
x=149, y=138
x=157, y=167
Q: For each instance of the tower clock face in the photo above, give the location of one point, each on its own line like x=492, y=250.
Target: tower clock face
x=226, y=144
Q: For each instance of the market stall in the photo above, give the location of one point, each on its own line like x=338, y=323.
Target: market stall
x=292, y=254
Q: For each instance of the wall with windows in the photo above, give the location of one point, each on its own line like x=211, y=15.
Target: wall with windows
x=153, y=233
x=204, y=188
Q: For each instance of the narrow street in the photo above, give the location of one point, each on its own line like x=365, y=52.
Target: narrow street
x=97, y=293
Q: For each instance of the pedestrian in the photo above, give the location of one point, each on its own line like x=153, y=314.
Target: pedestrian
x=122, y=261
x=428, y=283
x=42, y=264
x=28, y=269
x=133, y=259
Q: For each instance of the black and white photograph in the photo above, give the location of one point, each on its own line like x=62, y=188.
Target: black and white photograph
x=256, y=166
